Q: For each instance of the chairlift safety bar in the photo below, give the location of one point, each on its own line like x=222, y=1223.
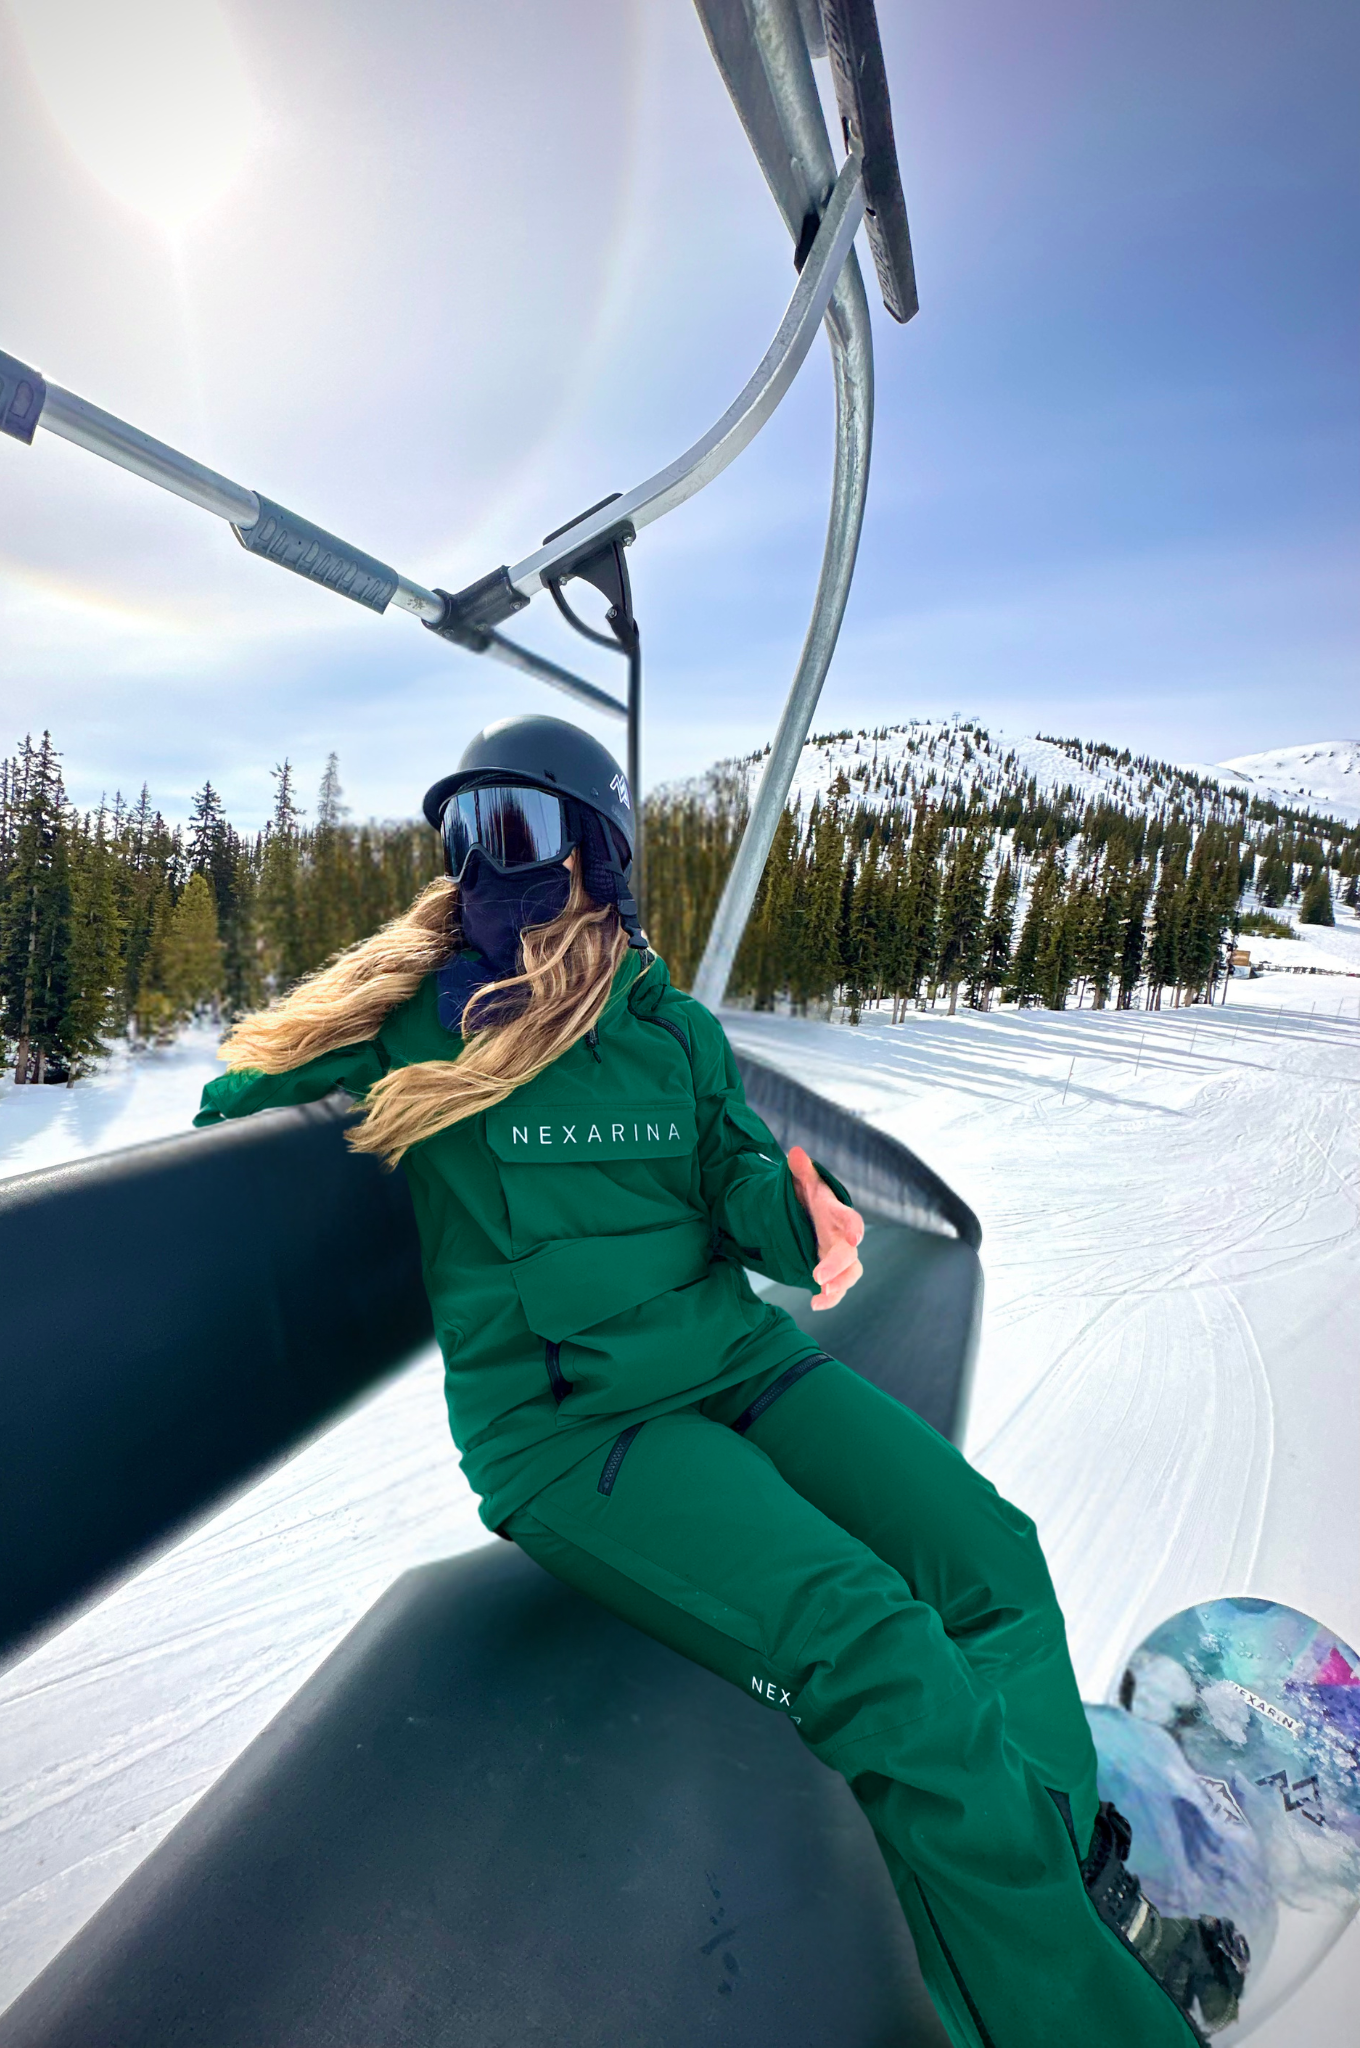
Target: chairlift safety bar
x=469, y=618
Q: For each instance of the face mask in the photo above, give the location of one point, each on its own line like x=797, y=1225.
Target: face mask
x=494, y=908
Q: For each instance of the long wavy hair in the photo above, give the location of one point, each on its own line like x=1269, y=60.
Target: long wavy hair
x=569, y=965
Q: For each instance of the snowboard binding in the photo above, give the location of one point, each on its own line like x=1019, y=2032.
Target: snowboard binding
x=1200, y=1964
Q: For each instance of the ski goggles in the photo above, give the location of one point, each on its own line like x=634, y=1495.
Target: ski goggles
x=514, y=826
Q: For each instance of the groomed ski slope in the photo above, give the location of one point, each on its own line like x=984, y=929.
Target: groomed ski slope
x=1167, y=1381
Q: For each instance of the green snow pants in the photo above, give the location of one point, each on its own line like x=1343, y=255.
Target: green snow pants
x=808, y=1538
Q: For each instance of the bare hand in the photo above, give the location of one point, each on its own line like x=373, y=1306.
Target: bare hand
x=839, y=1231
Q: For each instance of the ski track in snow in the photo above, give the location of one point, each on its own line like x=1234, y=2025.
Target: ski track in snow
x=1165, y=1381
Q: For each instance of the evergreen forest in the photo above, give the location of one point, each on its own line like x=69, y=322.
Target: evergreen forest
x=114, y=923
x=923, y=868
x=926, y=866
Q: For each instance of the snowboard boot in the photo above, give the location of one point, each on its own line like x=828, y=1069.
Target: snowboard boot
x=1200, y=1964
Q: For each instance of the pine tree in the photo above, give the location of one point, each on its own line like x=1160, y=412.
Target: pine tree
x=94, y=986
x=963, y=916
x=1133, y=943
x=194, y=954
x=862, y=949
x=330, y=809
x=1105, y=934
x=282, y=926
x=1056, y=965
x=35, y=915
x=207, y=827
x=1045, y=901
x=998, y=934
x=912, y=948
x=761, y=969
x=1168, y=905
x=1316, y=907
x=817, y=966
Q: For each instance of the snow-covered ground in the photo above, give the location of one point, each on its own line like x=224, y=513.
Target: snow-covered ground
x=1316, y=949
x=1322, y=777
x=1166, y=1381
x=132, y=1097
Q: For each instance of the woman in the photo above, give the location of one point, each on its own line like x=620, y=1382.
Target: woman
x=590, y=1187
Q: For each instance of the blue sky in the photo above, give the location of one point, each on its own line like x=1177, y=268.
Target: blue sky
x=441, y=285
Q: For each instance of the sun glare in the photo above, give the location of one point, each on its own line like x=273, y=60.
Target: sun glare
x=150, y=95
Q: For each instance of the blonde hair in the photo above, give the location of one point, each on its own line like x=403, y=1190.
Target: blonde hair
x=569, y=965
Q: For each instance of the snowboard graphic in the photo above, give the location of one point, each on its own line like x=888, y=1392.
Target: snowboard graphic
x=1234, y=1753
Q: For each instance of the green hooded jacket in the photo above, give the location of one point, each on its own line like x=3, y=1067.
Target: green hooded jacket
x=583, y=1243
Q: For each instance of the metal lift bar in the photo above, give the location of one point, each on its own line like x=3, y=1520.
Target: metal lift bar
x=470, y=617
x=508, y=590
x=761, y=48
x=27, y=401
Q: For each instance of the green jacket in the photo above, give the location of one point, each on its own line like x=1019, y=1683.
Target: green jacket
x=583, y=1243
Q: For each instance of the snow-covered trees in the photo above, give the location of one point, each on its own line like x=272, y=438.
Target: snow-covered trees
x=905, y=874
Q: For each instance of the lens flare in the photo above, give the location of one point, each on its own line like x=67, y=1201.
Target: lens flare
x=151, y=96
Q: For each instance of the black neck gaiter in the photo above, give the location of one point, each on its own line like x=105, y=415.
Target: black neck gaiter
x=494, y=909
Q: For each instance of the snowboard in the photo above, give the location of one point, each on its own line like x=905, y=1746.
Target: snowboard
x=1234, y=1753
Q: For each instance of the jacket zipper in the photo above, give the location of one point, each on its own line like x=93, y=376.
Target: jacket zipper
x=593, y=1041
x=664, y=1024
x=561, y=1386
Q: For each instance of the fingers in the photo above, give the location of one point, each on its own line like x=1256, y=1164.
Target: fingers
x=835, y=1291
x=839, y=1230
x=838, y=1257
x=836, y=1273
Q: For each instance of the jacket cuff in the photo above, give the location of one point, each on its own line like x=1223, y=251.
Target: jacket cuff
x=835, y=1186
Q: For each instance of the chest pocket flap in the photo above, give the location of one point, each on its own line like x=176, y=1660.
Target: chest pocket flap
x=580, y=1281
x=549, y=1134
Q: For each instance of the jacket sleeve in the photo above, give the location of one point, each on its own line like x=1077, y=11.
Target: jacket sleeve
x=744, y=1175
x=353, y=1067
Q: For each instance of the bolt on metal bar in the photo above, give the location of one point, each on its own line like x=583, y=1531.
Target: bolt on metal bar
x=797, y=178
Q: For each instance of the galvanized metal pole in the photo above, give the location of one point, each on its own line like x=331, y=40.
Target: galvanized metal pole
x=852, y=357
x=788, y=69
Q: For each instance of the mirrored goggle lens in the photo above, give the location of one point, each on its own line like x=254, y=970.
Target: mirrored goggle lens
x=516, y=827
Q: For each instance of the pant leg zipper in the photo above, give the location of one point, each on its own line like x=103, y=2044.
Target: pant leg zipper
x=616, y=1457
x=777, y=1387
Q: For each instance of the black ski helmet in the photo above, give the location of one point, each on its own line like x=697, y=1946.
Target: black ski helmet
x=550, y=754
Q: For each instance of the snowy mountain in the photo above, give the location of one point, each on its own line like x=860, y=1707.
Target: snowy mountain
x=1324, y=776
x=953, y=758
